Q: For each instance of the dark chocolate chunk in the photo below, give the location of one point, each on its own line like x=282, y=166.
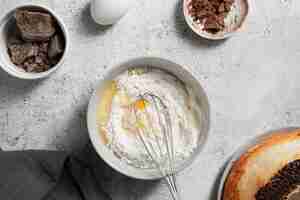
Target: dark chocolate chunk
x=13, y=35
x=221, y=8
x=211, y=13
x=56, y=46
x=20, y=52
x=43, y=47
x=38, y=63
x=35, y=26
x=35, y=43
x=32, y=57
x=213, y=24
x=228, y=7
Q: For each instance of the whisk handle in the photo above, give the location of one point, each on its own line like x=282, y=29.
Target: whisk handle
x=171, y=181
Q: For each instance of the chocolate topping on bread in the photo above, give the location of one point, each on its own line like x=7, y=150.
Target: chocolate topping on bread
x=268, y=170
x=282, y=184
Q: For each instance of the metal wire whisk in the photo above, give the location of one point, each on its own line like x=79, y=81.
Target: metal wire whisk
x=155, y=133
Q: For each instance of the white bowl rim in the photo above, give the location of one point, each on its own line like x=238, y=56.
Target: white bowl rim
x=239, y=152
x=206, y=35
x=106, y=154
x=12, y=69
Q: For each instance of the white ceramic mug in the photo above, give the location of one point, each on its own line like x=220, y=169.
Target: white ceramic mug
x=5, y=61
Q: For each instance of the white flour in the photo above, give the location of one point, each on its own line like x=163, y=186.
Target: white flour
x=119, y=133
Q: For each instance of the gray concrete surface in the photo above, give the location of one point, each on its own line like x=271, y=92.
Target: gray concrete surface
x=251, y=81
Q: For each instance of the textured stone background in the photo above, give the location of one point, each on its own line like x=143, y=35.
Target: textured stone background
x=251, y=81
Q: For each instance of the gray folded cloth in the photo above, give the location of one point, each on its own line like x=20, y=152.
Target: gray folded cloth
x=48, y=175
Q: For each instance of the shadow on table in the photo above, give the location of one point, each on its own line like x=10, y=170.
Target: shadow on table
x=74, y=135
x=13, y=87
x=116, y=184
x=184, y=31
x=216, y=185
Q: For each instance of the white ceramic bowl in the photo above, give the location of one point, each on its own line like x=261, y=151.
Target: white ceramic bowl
x=5, y=62
x=106, y=154
x=239, y=152
x=239, y=12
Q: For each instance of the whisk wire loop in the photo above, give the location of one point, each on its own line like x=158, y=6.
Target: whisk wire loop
x=160, y=150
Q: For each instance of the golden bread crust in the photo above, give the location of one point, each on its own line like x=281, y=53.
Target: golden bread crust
x=233, y=183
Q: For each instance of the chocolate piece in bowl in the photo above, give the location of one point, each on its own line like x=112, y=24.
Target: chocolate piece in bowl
x=211, y=13
x=20, y=52
x=37, y=64
x=215, y=19
x=35, y=25
x=13, y=27
x=35, y=41
x=14, y=36
x=56, y=46
x=214, y=24
x=31, y=56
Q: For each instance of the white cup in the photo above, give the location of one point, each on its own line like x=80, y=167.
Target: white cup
x=5, y=61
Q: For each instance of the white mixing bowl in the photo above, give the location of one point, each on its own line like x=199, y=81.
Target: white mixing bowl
x=106, y=154
x=5, y=63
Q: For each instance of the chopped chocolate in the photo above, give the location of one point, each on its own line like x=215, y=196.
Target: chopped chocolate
x=221, y=8
x=35, y=42
x=211, y=13
x=20, y=52
x=13, y=36
x=56, y=46
x=212, y=24
x=44, y=47
x=35, y=26
x=38, y=63
x=227, y=6
x=283, y=184
x=29, y=56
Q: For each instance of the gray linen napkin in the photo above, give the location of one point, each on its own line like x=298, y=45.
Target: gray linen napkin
x=49, y=175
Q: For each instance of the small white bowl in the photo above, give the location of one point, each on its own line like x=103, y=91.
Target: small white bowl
x=238, y=14
x=5, y=61
x=106, y=154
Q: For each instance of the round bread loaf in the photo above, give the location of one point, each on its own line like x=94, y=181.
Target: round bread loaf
x=269, y=170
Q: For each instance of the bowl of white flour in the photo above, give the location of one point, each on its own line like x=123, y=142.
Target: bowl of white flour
x=111, y=121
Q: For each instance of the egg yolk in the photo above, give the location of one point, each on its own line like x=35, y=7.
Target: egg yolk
x=141, y=104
